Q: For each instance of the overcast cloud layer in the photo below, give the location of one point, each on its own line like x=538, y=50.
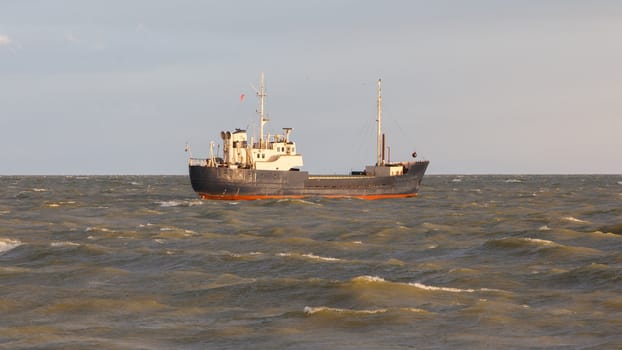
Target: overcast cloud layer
x=119, y=87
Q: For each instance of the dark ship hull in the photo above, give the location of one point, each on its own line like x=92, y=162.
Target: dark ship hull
x=248, y=184
x=268, y=167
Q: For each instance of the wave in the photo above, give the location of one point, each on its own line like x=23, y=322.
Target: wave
x=310, y=256
x=317, y=257
x=170, y=229
x=513, y=181
x=252, y=256
x=97, y=229
x=180, y=203
x=538, y=241
x=441, y=289
x=58, y=204
x=64, y=244
x=573, y=219
x=314, y=310
x=309, y=310
x=591, y=276
x=7, y=244
x=538, y=246
x=298, y=201
x=418, y=285
x=615, y=229
x=520, y=242
x=229, y=280
x=368, y=279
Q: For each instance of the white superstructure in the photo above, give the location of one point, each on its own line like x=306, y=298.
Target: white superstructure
x=274, y=152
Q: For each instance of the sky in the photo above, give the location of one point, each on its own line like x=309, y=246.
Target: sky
x=475, y=87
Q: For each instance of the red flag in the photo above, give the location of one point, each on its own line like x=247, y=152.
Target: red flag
x=242, y=98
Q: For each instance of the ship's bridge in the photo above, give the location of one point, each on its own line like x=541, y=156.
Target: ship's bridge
x=276, y=152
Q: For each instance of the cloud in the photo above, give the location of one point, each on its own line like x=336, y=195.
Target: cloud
x=4, y=40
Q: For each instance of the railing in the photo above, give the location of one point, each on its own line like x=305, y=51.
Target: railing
x=197, y=162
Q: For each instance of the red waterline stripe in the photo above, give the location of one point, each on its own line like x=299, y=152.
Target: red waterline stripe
x=229, y=197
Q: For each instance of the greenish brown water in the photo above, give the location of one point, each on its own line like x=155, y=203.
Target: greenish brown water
x=138, y=262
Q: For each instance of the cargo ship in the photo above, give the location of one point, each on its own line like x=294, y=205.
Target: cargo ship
x=270, y=168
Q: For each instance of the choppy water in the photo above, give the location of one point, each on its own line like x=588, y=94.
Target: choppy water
x=473, y=262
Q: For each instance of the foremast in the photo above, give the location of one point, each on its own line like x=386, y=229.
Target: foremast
x=262, y=118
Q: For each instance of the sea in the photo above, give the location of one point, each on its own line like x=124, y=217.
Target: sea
x=473, y=262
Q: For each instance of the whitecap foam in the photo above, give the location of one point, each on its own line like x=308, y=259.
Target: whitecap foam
x=39, y=189
x=376, y=279
x=64, y=244
x=367, y=278
x=539, y=241
x=573, y=219
x=440, y=289
x=413, y=309
x=313, y=310
x=167, y=204
x=101, y=229
x=513, y=180
x=7, y=244
x=544, y=228
x=180, y=203
x=309, y=310
x=322, y=258
x=309, y=256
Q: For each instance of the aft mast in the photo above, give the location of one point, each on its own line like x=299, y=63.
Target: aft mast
x=379, y=160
